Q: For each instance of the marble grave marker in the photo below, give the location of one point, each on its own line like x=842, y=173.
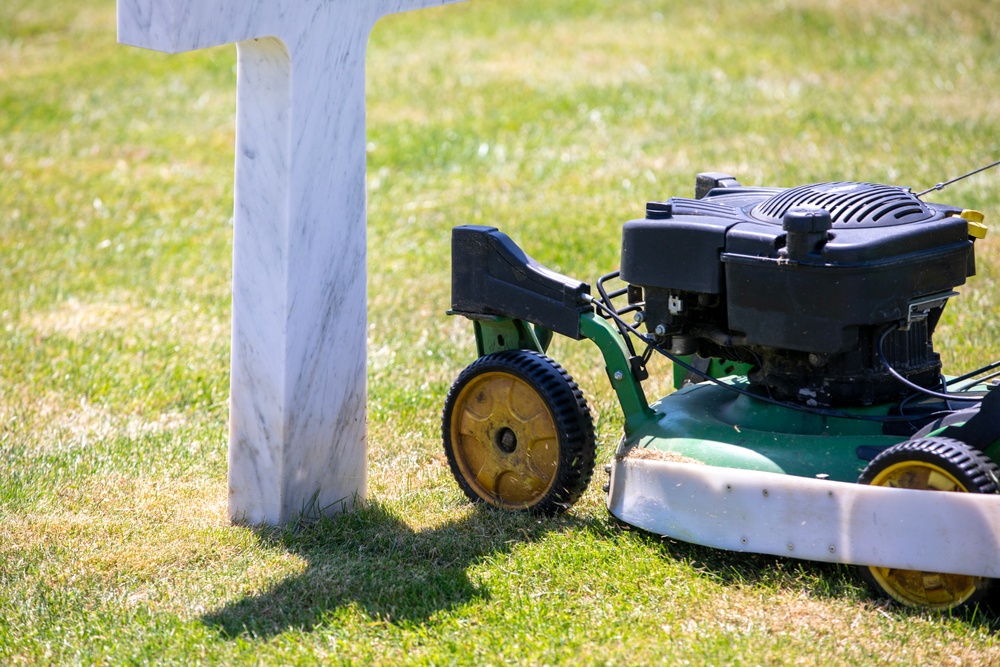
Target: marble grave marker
x=297, y=433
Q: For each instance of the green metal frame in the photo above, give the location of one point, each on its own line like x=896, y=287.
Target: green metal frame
x=496, y=334
x=616, y=355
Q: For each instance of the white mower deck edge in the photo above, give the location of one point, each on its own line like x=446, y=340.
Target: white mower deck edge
x=811, y=519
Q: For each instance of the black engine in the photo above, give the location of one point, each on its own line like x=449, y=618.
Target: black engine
x=801, y=283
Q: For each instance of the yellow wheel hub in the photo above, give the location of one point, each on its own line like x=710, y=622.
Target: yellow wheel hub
x=505, y=440
x=926, y=589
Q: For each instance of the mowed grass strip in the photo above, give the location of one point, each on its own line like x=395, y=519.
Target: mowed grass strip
x=555, y=121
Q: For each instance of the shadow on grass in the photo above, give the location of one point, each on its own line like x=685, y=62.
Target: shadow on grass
x=814, y=579
x=373, y=559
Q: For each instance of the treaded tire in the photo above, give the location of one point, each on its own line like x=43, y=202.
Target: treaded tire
x=936, y=464
x=518, y=433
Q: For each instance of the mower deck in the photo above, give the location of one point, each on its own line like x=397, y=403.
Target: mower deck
x=726, y=471
x=711, y=425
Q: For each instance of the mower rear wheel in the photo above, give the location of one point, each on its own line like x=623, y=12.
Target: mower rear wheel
x=934, y=464
x=518, y=433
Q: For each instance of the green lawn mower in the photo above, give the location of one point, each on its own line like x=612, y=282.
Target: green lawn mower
x=811, y=417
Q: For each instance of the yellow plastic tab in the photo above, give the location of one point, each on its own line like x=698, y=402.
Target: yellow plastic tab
x=977, y=229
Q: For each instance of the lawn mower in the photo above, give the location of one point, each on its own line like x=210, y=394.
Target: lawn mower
x=810, y=418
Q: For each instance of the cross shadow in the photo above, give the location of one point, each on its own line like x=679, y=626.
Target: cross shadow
x=371, y=558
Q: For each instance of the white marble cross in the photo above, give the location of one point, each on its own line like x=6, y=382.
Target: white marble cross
x=297, y=434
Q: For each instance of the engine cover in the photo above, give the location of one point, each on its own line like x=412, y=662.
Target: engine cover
x=800, y=282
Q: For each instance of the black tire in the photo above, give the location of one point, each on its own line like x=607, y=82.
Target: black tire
x=936, y=464
x=518, y=433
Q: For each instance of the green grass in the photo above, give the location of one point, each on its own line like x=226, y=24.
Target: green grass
x=555, y=121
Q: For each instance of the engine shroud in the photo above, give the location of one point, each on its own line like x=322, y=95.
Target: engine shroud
x=801, y=282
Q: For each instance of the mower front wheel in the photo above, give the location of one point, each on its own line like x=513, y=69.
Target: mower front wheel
x=518, y=433
x=934, y=464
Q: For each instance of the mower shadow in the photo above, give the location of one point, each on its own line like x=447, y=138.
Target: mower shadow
x=812, y=579
x=372, y=559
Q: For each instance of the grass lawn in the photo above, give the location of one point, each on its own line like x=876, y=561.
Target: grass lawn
x=553, y=120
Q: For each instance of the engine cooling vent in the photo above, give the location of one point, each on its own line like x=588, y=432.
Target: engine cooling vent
x=849, y=204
